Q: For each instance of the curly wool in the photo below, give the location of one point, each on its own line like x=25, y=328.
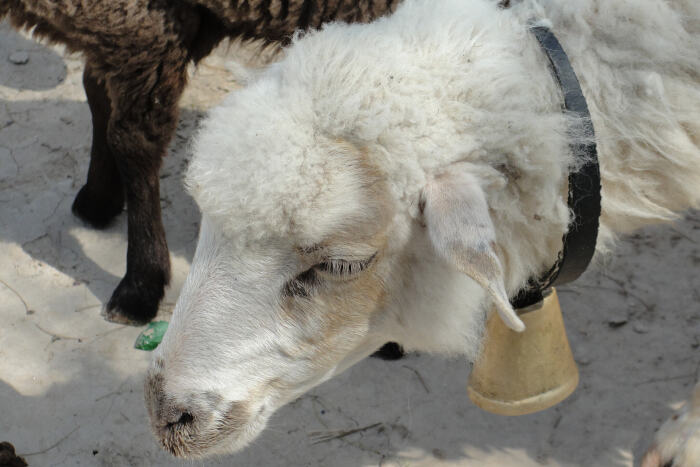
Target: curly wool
x=465, y=82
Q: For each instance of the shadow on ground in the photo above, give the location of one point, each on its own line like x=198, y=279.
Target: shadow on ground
x=41, y=222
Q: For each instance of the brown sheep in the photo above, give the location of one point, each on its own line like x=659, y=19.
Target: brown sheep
x=136, y=56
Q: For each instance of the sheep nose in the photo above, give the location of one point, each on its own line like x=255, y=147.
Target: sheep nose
x=163, y=410
x=184, y=419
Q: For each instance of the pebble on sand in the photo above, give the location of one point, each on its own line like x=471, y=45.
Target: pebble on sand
x=19, y=58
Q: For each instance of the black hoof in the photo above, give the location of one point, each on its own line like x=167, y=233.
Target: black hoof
x=97, y=211
x=8, y=458
x=134, y=304
x=389, y=351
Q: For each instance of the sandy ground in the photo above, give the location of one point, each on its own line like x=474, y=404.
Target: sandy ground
x=71, y=383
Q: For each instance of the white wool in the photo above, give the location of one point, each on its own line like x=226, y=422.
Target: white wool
x=639, y=67
x=374, y=142
x=456, y=80
x=677, y=442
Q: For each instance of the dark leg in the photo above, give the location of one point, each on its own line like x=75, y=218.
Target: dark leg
x=138, y=134
x=136, y=298
x=101, y=199
x=389, y=351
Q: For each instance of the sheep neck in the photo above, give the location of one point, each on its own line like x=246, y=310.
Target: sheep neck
x=584, y=197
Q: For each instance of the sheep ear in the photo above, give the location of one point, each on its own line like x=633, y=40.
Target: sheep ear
x=462, y=233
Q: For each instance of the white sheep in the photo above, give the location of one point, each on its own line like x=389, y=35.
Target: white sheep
x=388, y=182
x=677, y=443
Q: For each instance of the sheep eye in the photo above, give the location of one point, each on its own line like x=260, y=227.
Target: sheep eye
x=305, y=283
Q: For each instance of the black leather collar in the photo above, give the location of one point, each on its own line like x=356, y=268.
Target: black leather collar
x=584, y=183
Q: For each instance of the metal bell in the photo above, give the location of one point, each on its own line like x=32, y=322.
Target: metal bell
x=521, y=373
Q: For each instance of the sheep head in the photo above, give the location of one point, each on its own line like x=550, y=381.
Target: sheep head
x=339, y=215
x=306, y=263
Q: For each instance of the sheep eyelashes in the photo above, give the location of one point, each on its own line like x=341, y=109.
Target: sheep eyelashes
x=343, y=267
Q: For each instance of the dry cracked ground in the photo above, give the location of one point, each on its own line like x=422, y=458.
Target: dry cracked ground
x=71, y=383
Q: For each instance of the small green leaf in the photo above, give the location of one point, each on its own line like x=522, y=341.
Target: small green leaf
x=151, y=336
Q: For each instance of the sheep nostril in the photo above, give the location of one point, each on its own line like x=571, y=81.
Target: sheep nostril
x=185, y=419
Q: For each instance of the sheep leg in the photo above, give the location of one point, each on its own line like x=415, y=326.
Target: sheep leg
x=143, y=121
x=389, y=351
x=101, y=199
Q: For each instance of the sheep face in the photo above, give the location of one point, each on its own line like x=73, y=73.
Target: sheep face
x=254, y=329
x=261, y=321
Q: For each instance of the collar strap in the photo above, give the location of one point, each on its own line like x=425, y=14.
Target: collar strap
x=584, y=183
